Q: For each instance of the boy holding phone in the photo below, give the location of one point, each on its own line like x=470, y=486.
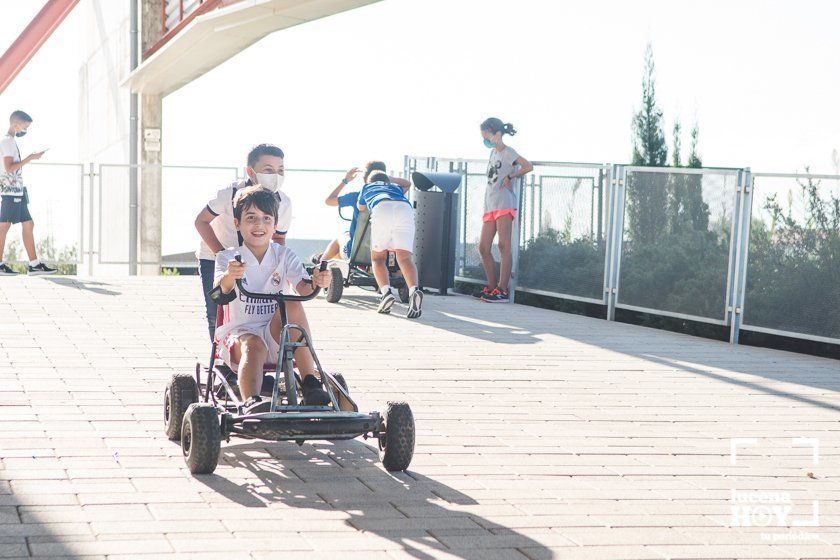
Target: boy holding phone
x=14, y=207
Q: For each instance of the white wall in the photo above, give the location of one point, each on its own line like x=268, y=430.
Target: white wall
x=104, y=105
x=104, y=116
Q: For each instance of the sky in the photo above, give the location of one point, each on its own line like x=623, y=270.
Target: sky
x=761, y=78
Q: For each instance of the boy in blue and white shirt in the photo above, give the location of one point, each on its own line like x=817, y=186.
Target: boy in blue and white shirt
x=391, y=229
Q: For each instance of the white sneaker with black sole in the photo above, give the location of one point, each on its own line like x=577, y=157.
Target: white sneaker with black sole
x=386, y=301
x=41, y=269
x=415, y=302
x=6, y=270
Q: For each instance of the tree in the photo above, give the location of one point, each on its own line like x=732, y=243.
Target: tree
x=649, y=147
x=647, y=193
x=675, y=157
x=693, y=157
x=696, y=210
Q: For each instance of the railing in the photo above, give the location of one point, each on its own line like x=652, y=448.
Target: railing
x=690, y=244
x=81, y=211
x=746, y=251
x=174, y=12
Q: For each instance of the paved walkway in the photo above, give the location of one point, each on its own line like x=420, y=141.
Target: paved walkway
x=541, y=435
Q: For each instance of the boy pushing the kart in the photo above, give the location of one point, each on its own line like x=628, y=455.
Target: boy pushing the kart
x=391, y=229
x=251, y=336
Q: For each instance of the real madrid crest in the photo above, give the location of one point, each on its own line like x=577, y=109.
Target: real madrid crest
x=275, y=278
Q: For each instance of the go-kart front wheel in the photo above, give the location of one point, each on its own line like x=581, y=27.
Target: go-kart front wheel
x=397, y=441
x=201, y=438
x=333, y=293
x=181, y=392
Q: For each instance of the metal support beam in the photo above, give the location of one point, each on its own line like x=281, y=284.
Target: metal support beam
x=31, y=38
x=134, y=38
x=150, y=207
x=739, y=287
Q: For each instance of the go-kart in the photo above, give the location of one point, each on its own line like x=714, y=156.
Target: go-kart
x=201, y=415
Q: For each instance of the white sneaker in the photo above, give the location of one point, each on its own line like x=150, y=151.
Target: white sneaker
x=386, y=302
x=415, y=302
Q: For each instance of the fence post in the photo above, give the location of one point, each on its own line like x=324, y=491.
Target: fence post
x=739, y=287
x=81, y=255
x=515, y=239
x=91, y=174
x=608, y=237
x=616, y=233
x=462, y=220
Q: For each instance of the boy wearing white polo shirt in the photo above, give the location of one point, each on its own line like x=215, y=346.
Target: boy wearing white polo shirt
x=215, y=221
x=250, y=338
x=391, y=229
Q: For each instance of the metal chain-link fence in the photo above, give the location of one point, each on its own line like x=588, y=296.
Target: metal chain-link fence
x=563, y=240
x=675, y=249
x=793, y=265
x=723, y=246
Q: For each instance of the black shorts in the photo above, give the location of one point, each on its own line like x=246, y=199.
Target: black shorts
x=14, y=209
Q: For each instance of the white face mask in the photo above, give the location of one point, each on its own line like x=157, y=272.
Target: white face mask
x=271, y=181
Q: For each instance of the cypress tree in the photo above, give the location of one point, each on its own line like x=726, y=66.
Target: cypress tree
x=647, y=193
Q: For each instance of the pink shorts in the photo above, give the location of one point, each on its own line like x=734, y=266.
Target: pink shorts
x=264, y=333
x=496, y=214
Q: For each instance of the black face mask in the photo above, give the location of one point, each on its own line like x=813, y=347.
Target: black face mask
x=20, y=133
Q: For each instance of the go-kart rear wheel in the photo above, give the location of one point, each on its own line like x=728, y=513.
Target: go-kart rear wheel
x=181, y=392
x=404, y=295
x=201, y=438
x=333, y=293
x=397, y=442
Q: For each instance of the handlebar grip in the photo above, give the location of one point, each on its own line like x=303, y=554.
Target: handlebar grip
x=280, y=296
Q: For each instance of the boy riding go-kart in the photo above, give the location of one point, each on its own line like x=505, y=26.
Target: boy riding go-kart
x=254, y=336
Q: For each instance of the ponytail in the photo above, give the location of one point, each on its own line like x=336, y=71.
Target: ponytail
x=494, y=125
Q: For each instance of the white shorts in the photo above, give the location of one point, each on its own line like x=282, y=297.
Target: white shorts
x=343, y=243
x=265, y=335
x=392, y=226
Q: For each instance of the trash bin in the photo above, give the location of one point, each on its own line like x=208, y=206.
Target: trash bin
x=436, y=219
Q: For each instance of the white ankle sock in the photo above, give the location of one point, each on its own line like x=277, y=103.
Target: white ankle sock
x=414, y=289
x=385, y=290
x=36, y=262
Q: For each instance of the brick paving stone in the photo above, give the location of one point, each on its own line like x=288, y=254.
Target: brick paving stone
x=540, y=435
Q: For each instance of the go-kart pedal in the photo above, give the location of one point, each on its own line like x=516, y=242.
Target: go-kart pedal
x=256, y=405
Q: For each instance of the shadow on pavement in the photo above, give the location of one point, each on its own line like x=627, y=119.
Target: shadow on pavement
x=87, y=285
x=422, y=515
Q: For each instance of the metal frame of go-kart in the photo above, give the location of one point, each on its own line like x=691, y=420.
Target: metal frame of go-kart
x=201, y=419
x=290, y=421
x=356, y=273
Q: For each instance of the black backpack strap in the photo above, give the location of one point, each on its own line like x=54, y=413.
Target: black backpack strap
x=233, y=196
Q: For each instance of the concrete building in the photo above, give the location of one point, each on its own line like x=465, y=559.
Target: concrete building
x=134, y=53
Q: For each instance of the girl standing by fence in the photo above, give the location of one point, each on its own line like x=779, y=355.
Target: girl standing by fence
x=500, y=205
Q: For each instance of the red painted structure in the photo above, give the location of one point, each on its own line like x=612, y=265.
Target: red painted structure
x=30, y=40
x=169, y=32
